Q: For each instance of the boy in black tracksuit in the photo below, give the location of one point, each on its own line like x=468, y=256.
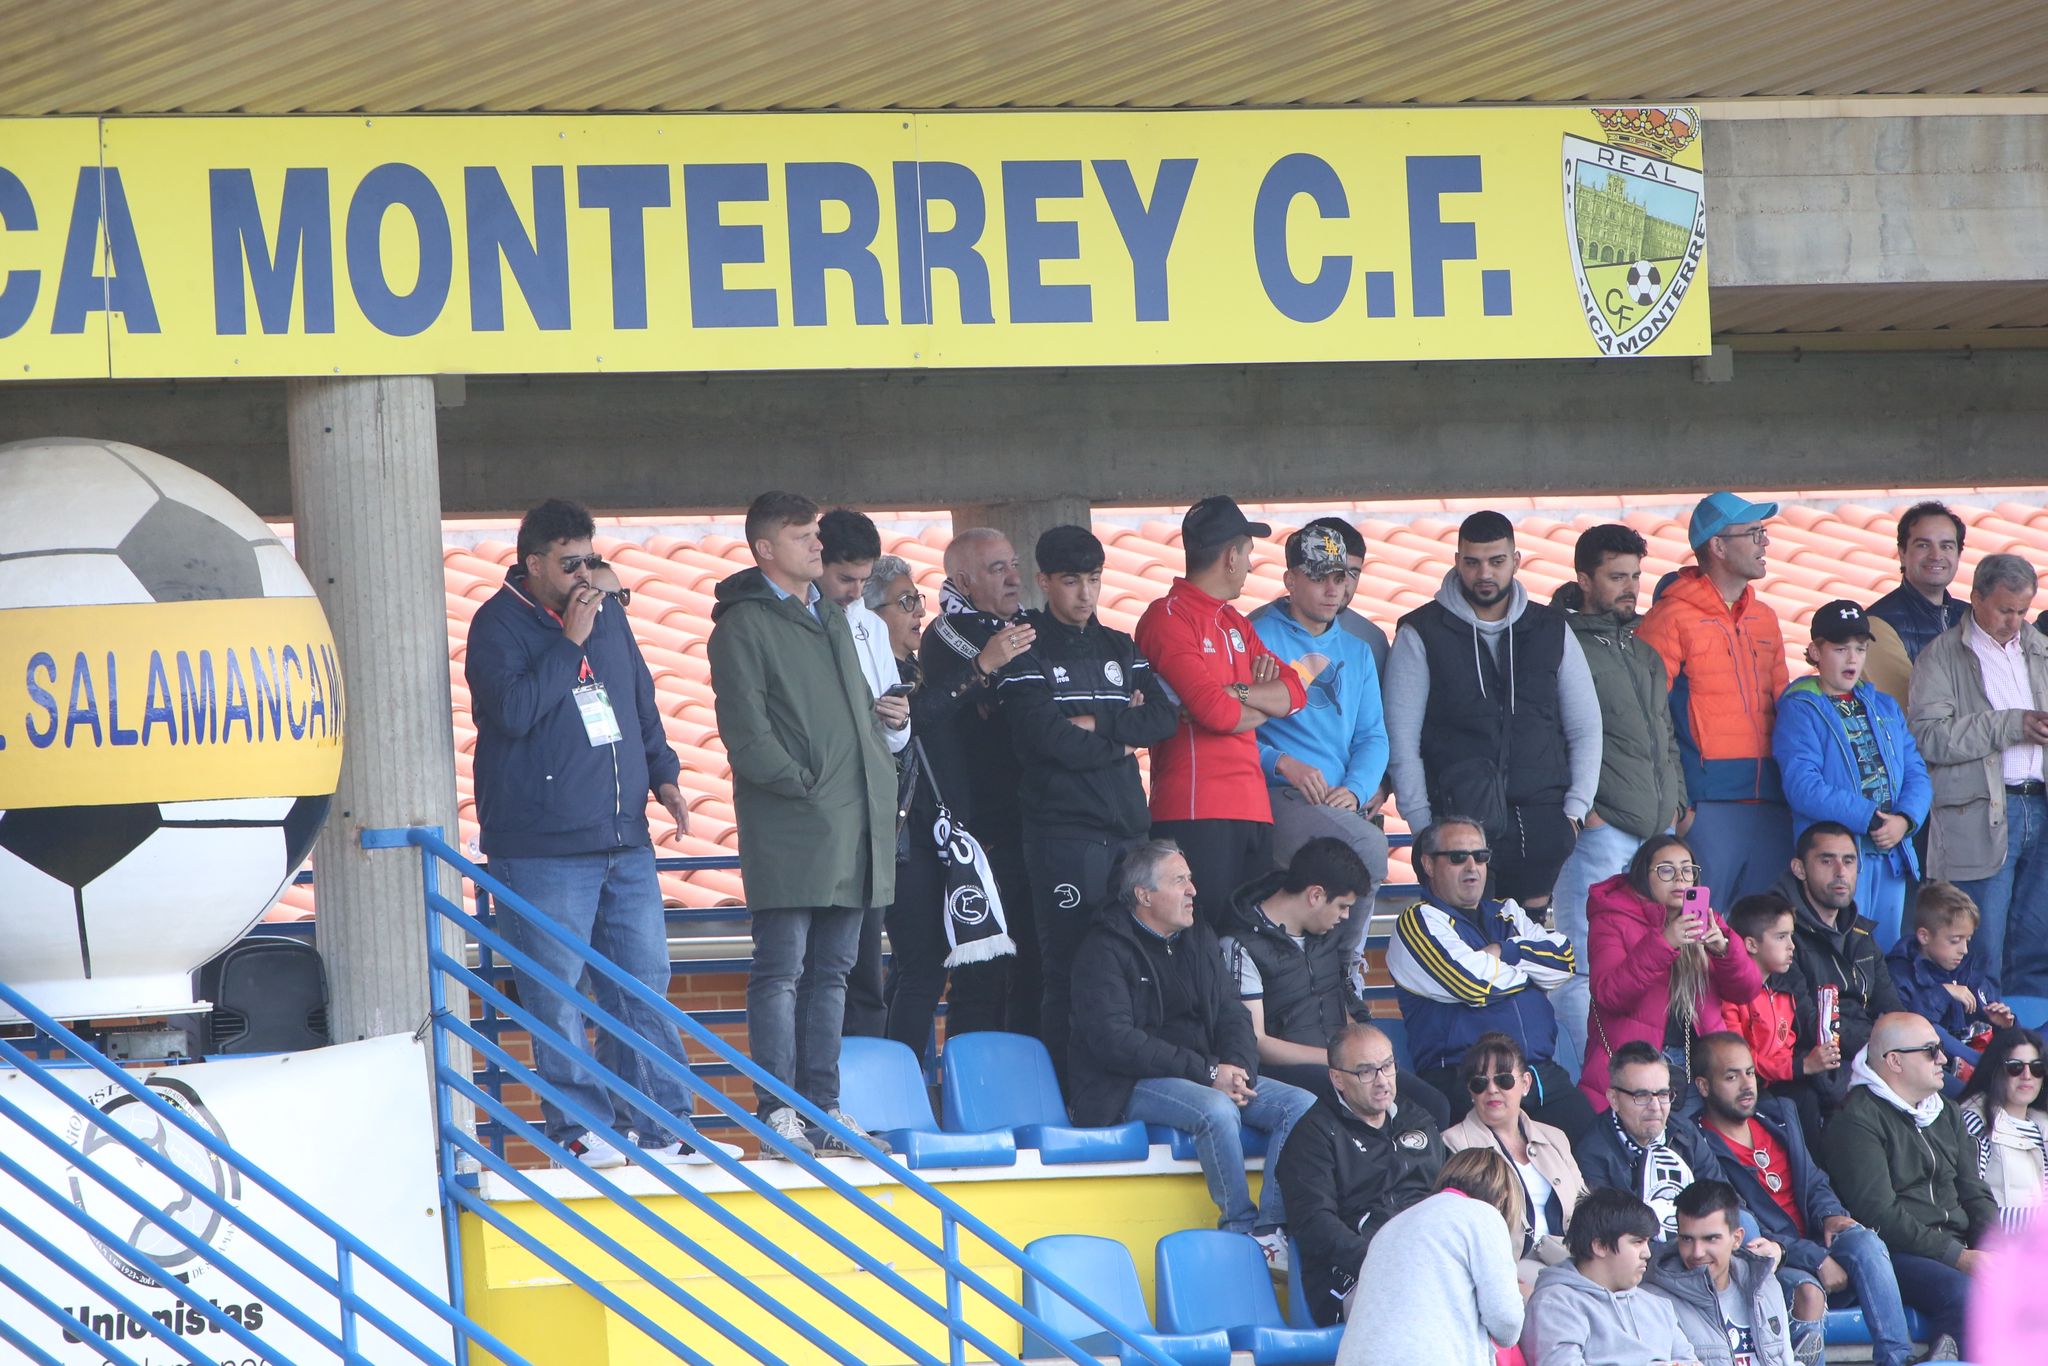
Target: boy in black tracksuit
x=1077, y=706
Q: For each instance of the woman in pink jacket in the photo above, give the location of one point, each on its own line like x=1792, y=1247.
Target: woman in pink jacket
x=1660, y=971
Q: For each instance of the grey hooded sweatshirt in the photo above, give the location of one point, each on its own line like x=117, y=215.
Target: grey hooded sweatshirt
x=1406, y=691
x=1573, y=1321
x=1692, y=1294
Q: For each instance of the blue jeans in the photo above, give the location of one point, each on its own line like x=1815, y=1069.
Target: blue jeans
x=1880, y=895
x=1875, y=1285
x=1216, y=1122
x=612, y=902
x=2012, y=905
x=1601, y=852
x=1937, y=1290
x=796, y=999
x=1741, y=847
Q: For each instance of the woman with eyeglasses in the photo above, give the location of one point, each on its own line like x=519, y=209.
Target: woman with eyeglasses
x=1661, y=970
x=1438, y=1285
x=2002, y=1109
x=1497, y=1078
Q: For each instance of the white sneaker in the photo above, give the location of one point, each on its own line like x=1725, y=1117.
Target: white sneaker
x=1274, y=1245
x=594, y=1151
x=829, y=1145
x=787, y=1125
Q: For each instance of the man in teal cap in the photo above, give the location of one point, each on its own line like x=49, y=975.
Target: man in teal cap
x=1725, y=657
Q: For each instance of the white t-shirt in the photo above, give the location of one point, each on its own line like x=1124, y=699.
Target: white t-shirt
x=877, y=661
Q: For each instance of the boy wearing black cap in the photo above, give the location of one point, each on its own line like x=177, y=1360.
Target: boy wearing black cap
x=1208, y=790
x=1080, y=704
x=1845, y=755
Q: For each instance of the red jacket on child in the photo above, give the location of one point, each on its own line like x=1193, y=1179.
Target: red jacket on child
x=1768, y=1023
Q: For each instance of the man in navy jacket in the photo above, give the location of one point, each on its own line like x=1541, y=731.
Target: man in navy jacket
x=569, y=744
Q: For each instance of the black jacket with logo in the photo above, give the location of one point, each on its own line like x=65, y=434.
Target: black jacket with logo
x=1303, y=985
x=1119, y=1008
x=1342, y=1179
x=1076, y=781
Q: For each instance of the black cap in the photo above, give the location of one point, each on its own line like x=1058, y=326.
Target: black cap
x=1841, y=620
x=1217, y=521
x=1068, y=550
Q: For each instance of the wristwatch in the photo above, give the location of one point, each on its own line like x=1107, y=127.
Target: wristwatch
x=1243, y=691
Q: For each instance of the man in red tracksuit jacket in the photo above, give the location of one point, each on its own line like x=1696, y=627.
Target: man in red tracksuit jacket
x=1208, y=791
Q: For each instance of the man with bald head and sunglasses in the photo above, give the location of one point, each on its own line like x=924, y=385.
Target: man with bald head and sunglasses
x=1465, y=966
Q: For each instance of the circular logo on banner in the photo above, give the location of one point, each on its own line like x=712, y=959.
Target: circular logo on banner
x=100, y=1147
x=967, y=905
x=1114, y=672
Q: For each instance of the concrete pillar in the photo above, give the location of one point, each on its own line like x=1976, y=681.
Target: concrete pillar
x=1024, y=522
x=366, y=499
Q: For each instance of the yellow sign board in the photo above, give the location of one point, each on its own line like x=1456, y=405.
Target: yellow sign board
x=168, y=702
x=146, y=248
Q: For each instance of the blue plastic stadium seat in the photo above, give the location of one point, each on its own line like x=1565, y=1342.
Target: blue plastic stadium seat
x=2030, y=1011
x=881, y=1085
x=1208, y=1279
x=1846, y=1327
x=994, y=1081
x=1101, y=1269
x=1297, y=1298
x=1181, y=1144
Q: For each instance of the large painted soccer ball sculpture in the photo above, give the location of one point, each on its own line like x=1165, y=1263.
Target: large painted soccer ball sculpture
x=171, y=719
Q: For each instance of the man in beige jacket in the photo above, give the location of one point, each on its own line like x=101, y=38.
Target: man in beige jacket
x=1979, y=713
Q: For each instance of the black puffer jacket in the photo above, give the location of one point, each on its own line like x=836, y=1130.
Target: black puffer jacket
x=1118, y=1008
x=1303, y=995
x=1843, y=955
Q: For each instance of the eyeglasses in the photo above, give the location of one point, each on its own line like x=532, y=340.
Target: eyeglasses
x=1932, y=1050
x=1499, y=1081
x=1370, y=1071
x=1663, y=1097
x=622, y=596
x=909, y=602
x=571, y=563
x=1676, y=872
x=1456, y=857
x=1756, y=534
x=2020, y=1067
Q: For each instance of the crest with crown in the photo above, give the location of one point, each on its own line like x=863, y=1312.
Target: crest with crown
x=1652, y=130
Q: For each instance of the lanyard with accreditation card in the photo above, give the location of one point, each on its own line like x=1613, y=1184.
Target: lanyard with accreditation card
x=600, y=723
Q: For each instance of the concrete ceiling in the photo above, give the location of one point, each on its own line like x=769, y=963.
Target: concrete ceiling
x=392, y=56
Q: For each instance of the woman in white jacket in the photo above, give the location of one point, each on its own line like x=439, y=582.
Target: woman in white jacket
x=2001, y=1108
x=1438, y=1287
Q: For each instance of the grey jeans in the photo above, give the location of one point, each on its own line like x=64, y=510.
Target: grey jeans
x=796, y=999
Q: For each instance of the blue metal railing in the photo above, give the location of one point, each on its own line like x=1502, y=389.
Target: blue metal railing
x=336, y=1290
x=460, y=1150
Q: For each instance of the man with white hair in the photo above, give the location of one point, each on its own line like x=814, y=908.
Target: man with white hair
x=1979, y=714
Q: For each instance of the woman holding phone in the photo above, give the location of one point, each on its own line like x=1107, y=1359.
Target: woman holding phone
x=1662, y=962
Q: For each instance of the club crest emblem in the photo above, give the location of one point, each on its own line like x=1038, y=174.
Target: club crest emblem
x=1636, y=221
x=1114, y=672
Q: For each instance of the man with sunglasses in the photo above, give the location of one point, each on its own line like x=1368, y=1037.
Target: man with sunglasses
x=1724, y=657
x=569, y=745
x=1464, y=966
x=1904, y=1165
x=1354, y=1161
x=1790, y=1199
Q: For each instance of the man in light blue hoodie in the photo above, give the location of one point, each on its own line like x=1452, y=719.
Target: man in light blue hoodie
x=1324, y=763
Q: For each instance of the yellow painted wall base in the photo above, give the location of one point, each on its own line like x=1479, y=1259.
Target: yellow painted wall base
x=531, y=1305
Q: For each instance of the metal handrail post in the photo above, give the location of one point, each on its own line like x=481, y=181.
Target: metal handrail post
x=345, y=1273
x=956, y=1345
x=444, y=1127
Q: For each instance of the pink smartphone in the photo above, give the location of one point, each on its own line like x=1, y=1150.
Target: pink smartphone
x=1699, y=903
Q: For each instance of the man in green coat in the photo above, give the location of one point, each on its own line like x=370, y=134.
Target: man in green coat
x=814, y=789
x=1904, y=1165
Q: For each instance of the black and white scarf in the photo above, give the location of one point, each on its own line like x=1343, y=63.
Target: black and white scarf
x=1662, y=1173
x=975, y=928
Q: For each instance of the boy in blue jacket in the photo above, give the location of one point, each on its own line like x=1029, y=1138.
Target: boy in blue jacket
x=1937, y=978
x=1845, y=755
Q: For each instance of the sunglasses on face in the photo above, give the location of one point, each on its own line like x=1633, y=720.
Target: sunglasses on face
x=1932, y=1050
x=1500, y=1081
x=1456, y=857
x=571, y=563
x=2019, y=1067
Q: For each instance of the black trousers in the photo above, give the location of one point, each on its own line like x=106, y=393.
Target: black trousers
x=918, y=973
x=1023, y=984
x=867, y=1011
x=1069, y=878
x=1409, y=1089
x=1555, y=1099
x=1528, y=858
x=1223, y=856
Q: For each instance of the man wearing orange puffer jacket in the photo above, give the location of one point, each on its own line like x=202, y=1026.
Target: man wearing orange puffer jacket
x=1725, y=657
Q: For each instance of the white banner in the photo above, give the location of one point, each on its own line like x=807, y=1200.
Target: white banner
x=347, y=1129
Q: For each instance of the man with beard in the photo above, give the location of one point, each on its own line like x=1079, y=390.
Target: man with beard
x=1834, y=947
x=1789, y=1197
x=1491, y=713
x=1642, y=781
